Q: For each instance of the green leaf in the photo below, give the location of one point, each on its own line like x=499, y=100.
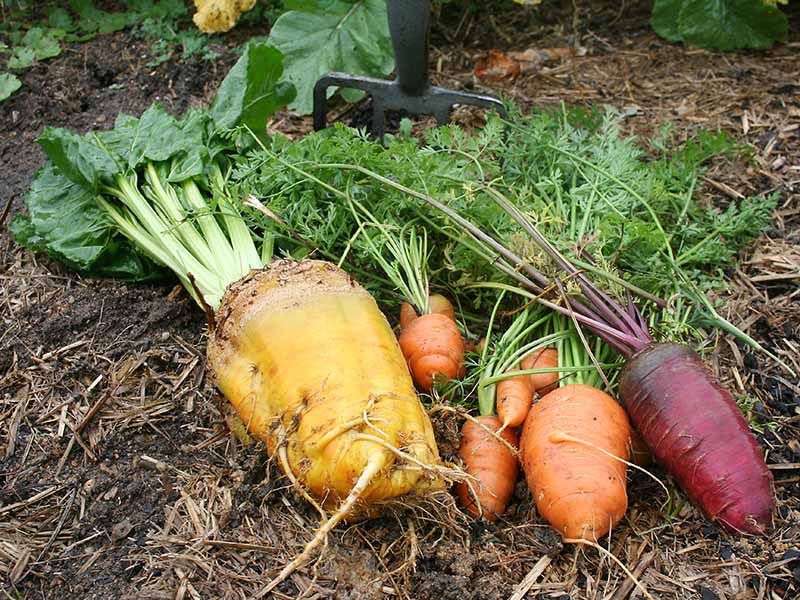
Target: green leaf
x=60, y=19
x=23, y=58
x=731, y=24
x=80, y=158
x=252, y=90
x=65, y=221
x=664, y=19
x=332, y=36
x=155, y=136
x=187, y=166
x=8, y=85
x=191, y=162
x=111, y=22
x=43, y=43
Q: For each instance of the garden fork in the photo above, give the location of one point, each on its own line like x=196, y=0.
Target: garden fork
x=411, y=91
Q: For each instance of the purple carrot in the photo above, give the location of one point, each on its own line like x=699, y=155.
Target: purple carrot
x=694, y=428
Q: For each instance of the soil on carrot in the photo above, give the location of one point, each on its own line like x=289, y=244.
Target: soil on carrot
x=120, y=479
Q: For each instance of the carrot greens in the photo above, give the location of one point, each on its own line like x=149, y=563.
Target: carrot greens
x=629, y=217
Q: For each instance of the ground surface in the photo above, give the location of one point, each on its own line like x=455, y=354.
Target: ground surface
x=154, y=499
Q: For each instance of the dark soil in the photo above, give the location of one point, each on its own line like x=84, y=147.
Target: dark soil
x=154, y=499
x=86, y=88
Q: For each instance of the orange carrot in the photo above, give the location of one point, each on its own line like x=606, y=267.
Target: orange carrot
x=437, y=303
x=514, y=397
x=546, y=358
x=491, y=463
x=568, y=443
x=433, y=346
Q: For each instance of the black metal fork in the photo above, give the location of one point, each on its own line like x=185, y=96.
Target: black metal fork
x=411, y=91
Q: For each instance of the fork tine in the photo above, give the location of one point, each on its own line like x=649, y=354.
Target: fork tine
x=378, y=118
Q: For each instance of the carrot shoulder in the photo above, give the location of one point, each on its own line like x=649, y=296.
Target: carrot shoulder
x=565, y=443
x=437, y=303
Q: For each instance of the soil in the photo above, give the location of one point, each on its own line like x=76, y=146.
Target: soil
x=120, y=480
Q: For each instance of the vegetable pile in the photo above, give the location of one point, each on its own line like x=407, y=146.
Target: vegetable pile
x=549, y=237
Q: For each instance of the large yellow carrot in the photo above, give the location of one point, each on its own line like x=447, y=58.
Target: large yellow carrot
x=312, y=366
x=314, y=370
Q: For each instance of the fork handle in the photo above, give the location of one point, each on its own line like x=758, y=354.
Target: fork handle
x=409, y=26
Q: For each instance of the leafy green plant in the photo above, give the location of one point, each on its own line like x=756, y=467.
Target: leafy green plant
x=67, y=217
x=35, y=45
x=318, y=36
x=9, y=84
x=170, y=41
x=721, y=24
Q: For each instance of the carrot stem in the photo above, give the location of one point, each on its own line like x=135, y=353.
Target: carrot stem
x=569, y=370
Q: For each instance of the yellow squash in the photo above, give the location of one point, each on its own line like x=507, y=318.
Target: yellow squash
x=217, y=16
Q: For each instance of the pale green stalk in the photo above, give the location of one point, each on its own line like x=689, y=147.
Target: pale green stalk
x=409, y=269
x=206, y=261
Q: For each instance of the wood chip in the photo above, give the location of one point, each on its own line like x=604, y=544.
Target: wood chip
x=530, y=578
x=21, y=398
x=121, y=530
